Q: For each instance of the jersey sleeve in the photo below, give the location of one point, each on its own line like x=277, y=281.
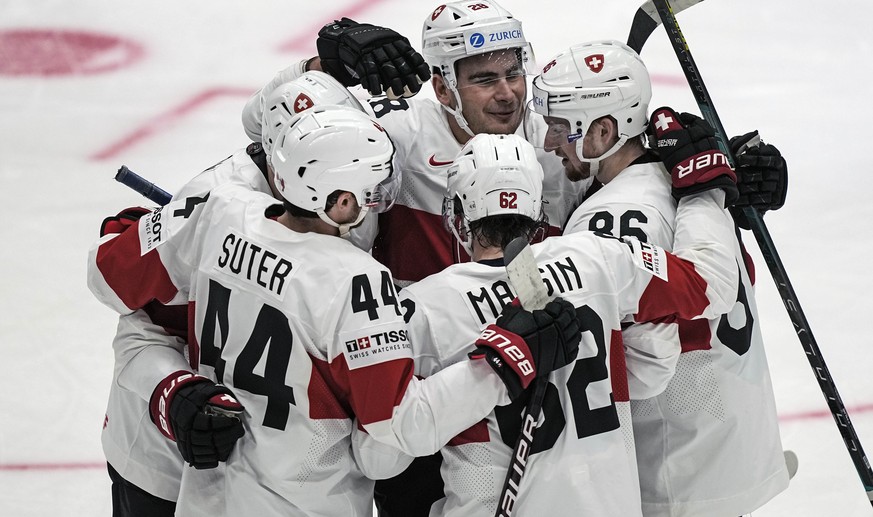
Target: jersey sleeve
x=145, y=353
x=651, y=352
x=377, y=460
x=699, y=280
x=371, y=356
x=149, y=261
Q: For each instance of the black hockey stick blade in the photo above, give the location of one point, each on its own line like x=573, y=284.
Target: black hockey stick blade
x=646, y=20
x=145, y=187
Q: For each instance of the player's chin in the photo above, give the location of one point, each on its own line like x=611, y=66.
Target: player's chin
x=503, y=123
x=576, y=173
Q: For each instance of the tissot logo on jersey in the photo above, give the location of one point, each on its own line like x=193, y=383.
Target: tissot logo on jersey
x=376, y=345
x=650, y=258
x=151, y=231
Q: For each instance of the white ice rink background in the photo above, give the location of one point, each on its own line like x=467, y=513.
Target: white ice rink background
x=89, y=85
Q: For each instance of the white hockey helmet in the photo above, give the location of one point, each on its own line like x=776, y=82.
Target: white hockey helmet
x=592, y=80
x=329, y=148
x=492, y=175
x=313, y=88
x=456, y=30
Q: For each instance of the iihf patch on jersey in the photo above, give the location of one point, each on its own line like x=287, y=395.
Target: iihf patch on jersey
x=374, y=345
x=649, y=257
x=152, y=230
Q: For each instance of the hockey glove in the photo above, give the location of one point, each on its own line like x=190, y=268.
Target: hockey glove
x=377, y=58
x=762, y=176
x=523, y=345
x=201, y=416
x=690, y=151
x=124, y=220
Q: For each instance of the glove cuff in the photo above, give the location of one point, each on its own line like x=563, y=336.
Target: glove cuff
x=162, y=397
x=512, y=352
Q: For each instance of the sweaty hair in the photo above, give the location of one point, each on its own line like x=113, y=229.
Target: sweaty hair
x=499, y=230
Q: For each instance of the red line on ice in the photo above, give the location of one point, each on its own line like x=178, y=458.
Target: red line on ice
x=161, y=121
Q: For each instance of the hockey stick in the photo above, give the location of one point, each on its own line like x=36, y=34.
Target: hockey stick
x=646, y=20
x=525, y=278
x=771, y=257
x=143, y=186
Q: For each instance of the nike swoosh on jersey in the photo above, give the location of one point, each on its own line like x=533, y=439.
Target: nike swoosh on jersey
x=437, y=163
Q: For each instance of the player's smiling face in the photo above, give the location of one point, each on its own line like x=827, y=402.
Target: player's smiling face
x=492, y=88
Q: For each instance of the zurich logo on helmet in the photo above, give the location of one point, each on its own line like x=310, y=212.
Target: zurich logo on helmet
x=477, y=39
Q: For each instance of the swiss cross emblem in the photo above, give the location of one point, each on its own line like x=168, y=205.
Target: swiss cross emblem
x=550, y=65
x=363, y=342
x=595, y=62
x=664, y=122
x=302, y=103
x=436, y=12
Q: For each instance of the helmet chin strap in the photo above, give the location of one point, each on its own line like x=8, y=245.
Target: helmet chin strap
x=595, y=162
x=345, y=228
x=458, y=113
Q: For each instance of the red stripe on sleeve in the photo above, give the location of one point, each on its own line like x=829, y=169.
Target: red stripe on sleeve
x=193, y=344
x=618, y=368
x=685, y=296
x=327, y=397
x=373, y=391
x=477, y=433
x=694, y=335
x=136, y=279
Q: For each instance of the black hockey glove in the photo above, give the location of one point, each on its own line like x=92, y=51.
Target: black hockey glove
x=762, y=176
x=123, y=220
x=523, y=345
x=690, y=151
x=201, y=416
x=377, y=58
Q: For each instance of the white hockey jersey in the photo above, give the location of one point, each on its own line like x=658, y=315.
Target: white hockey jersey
x=581, y=463
x=709, y=444
x=307, y=331
x=131, y=443
x=412, y=240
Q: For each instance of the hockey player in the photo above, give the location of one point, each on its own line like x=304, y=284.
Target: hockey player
x=304, y=328
x=580, y=464
x=480, y=61
x=709, y=444
x=145, y=466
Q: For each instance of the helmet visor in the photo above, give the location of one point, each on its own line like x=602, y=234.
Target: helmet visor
x=381, y=197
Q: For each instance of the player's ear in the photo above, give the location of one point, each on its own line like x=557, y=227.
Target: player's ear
x=346, y=208
x=441, y=90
